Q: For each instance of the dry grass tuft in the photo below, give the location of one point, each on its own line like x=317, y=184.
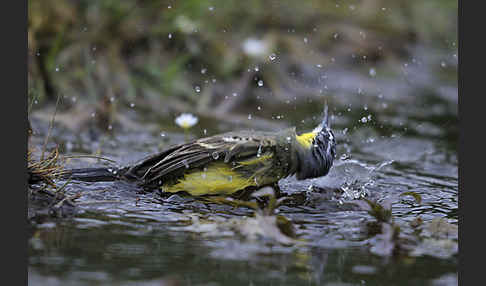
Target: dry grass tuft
x=45, y=170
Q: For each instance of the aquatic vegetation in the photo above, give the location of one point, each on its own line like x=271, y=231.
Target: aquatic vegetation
x=436, y=238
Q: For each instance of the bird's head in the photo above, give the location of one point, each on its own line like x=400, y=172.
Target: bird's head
x=317, y=150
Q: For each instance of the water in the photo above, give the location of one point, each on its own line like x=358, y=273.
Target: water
x=406, y=143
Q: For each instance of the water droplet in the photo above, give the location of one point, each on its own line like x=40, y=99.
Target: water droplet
x=162, y=134
x=197, y=89
x=372, y=72
x=234, y=94
x=132, y=105
x=259, y=107
x=249, y=116
x=170, y=36
x=112, y=99
x=259, y=152
x=272, y=57
x=443, y=64
x=363, y=120
x=169, y=7
x=336, y=35
x=215, y=155
x=204, y=70
x=213, y=80
x=319, y=65
x=289, y=139
x=205, y=131
x=93, y=114
x=57, y=69
x=211, y=8
x=185, y=164
x=110, y=127
x=260, y=83
x=256, y=68
x=305, y=40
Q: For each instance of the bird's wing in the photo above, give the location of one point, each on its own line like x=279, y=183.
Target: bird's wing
x=177, y=160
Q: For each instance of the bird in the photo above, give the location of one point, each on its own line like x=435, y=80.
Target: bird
x=229, y=163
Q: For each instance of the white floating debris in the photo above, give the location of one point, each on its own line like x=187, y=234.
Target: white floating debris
x=260, y=83
x=272, y=57
x=197, y=88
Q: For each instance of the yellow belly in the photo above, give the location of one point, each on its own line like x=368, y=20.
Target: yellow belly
x=216, y=179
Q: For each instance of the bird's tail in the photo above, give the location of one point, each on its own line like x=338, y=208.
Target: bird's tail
x=94, y=174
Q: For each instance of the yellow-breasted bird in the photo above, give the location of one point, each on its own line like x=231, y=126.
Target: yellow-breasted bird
x=230, y=162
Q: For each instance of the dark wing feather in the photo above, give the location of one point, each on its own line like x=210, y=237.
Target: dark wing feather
x=177, y=160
